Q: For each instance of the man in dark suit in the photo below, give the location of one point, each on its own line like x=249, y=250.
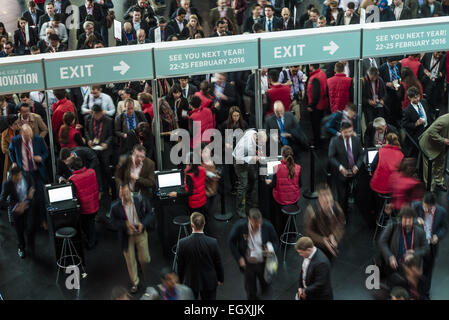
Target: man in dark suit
x=55, y=45
x=401, y=236
x=433, y=218
x=313, y=19
x=178, y=25
x=373, y=95
x=185, y=4
x=400, y=10
x=33, y=14
x=254, y=17
x=249, y=252
x=288, y=129
x=315, y=275
x=226, y=97
x=434, y=64
x=376, y=133
x=17, y=194
x=187, y=89
x=90, y=8
x=22, y=45
x=147, y=11
x=347, y=17
x=389, y=73
x=50, y=13
x=89, y=29
x=287, y=20
x=33, y=148
x=415, y=119
x=99, y=133
x=346, y=158
x=164, y=32
x=131, y=215
x=128, y=35
x=220, y=29
x=137, y=22
x=431, y=8
x=141, y=38
x=270, y=22
x=127, y=121
x=199, y=262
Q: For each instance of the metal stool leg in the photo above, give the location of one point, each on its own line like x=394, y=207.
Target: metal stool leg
x=61, y=256
x=287, y=227
x=380, y=220
x=177, y=247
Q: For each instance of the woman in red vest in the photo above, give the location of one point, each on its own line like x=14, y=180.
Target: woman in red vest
x=403, y=186
x=69, y=133
x=408, y=80
x=286, y=186
x=384, y=164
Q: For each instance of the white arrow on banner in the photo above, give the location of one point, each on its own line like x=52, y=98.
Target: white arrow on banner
x=332, y=48
x=123, y=68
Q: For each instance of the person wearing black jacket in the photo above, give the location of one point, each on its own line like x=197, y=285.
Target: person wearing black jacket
x=126, y=122
x=173, y=27
x=434, y=64
x=433, y=218
x=179, y=104
x=253, y=18
x=199, y=261
x=90, y=8
x=35, y=107
x=50, y=13
x=147, y=12
x=373, y=95
x=131, y=215
x=427, y=12
x=376, y=133
x=138, y=22
x=33, y=14
x=22, y=44
x=90, y=161
x=249, y=252
x=389, y=72
x=89, y=28
x=315, y=276
x=141, y=135
x=287, y=21
x=352, y=17
x=17, y=195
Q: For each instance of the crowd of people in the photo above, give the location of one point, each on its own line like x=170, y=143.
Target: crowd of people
x=104, y=139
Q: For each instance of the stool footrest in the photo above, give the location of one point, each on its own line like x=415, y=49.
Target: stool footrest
x=285, y=237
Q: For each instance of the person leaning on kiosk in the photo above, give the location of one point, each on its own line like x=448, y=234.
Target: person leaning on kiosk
x=286, y=184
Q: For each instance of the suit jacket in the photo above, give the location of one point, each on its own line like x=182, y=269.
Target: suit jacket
x=276, y=24
x=62, y=47
x=339, y=156
x=329, y=17
x=173, y=28
x=437, y=10
x=118, y=216
x=214, y=16
x=9, y=196
x=389, y=240
x=248, y=23
x=406, y=13
x=199, y=262
x=238, y=238
x=439, y=226
x=194, y=11
x=308, y=24
x=355, y=19
x=42, y=19
x=427, y=60
x=431, y=141
x=27, y=15
x=152, y=37
x=291, y=126
x=20, y=44
x=121, y=123
x=82, y=38
x=39, y=149
x=37, y=124
x=409, y=118
x=135, y=41
x=318, y=278
x=191, y=91
x=98, y=17
x=106, y=132
x=290, y=24
x=143, y=25
x=371, y=132
x=215, y=34
x=231, y=93
x=124, y=40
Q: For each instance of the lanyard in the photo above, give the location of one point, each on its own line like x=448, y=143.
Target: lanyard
x=370, y=86
x=384, y=138
x=126, y=214
x=405, y=241
x=98, y=133
x=24, y=37
x=393, y=72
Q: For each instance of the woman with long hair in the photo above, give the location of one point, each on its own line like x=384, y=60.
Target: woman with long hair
x=286, y=184
x=168, y=124
x=141, y=135
x=24, y=37
x=193, y=26
x=179, y=105
x=90, y=42
x=69, y=133
x=408, y=80
x=7, y=135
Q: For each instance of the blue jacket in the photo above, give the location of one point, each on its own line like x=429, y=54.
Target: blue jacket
x=39, y=149
x=334, y=123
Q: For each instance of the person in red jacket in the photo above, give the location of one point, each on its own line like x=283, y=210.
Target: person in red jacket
x=59, y=108
x=69, y=133
x=403, y=186
x=145, y=100
x=200, y=118
x=286, y=184
x=385, y=163
x=317, y=99
x=277, y=91
x=86, y=186
x=340, y=89
x=412, y=62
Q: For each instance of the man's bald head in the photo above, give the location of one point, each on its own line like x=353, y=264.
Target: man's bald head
x=27, y=132
x=279, y=109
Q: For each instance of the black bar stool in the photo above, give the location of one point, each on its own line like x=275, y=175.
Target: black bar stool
x=69, y=257
x=182, y=222
x=290, y=227
x=382, y=218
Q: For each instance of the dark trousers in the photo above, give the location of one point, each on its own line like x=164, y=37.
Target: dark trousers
x=205, y=294
x=254, y=271
x=87, y=222
x=279, y=219
x=372, y=113
x=315, y=118
x=39, y=197
x=106, y=175
x=428, y=264
x=247, y=187
x=25, y=224
x=342, y=188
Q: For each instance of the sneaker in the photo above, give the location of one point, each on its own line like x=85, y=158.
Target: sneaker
x=134, y=289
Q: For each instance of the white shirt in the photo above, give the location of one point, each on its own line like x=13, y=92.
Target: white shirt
x=346, y=148
x=348, y=19
x=105, y=101
x=246, y=148
x=61, y=31
x=305, y=267
x=398, y=11
x=255, y=244
x=180, y=25
x=131, y=213
x=434, y=72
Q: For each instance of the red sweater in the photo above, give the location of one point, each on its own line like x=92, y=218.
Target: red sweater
x=71, y=140
x=148, y=109
x=198, y=198
x=412, y=63
x=59, y=108
x=401, y=189
x=86, y=186
x=279, y=92
x=338, y=87
x=287, y=190
x=206, y=121
x=389, y=159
